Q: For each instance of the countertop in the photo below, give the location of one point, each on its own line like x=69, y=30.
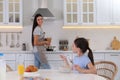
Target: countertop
x=57, y=51
x=56, y=75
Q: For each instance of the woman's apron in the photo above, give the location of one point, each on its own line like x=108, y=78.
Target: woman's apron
x=41, y=50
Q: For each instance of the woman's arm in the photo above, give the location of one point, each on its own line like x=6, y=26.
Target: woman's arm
x=39, y=43
x=91, y=69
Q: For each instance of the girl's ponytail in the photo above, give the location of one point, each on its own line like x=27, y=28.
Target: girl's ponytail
x=90, y=55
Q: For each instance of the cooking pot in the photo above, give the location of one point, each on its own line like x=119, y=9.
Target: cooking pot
x=50, y=48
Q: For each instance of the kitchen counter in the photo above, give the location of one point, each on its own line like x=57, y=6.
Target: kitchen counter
x=57, y=51
x=53, y=74
x=16, y=52
x=93, y=51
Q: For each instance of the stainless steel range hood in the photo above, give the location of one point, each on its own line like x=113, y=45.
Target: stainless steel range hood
x=44, y=11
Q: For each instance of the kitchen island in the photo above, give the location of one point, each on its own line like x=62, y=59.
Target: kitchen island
x=27, y=57
x=55, y=75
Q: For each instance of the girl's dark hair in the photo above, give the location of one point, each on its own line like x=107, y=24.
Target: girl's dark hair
x=83, y=44
x=35, y=24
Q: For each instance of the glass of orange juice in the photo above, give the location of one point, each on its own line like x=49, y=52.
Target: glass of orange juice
x=20, y=69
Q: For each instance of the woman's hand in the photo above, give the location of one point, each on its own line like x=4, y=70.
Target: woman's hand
x=47, y=43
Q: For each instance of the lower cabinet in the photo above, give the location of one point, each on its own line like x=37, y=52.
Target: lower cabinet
x=99, y=56
x=27, y=58
x=114, y=57
x=109, y=56
x=13, y=59
x=54, y=59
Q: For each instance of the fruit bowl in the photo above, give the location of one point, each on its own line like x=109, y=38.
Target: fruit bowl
x=31, y=70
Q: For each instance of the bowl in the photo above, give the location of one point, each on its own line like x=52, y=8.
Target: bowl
x=65, y=69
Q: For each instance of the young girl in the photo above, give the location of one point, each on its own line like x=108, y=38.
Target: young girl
x=81, y=63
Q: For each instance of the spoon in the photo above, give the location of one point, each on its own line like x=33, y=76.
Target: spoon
x=18, y=45
x=0, y=41
x=12, y=40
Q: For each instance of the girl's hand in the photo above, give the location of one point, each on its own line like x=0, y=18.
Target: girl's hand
x=77, y=67
x=63, y=57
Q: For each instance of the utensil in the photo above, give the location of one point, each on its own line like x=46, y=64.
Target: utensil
x=6, y=39
x=0, y=41
x=18, y=37
x=12, y=40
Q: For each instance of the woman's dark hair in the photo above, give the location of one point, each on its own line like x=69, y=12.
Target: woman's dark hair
x=83, y=44
x=35, y=24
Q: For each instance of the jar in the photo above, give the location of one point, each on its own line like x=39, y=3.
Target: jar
x=24, y=47
x=2, y=67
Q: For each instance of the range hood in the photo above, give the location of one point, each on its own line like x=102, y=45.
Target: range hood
x=44, y=11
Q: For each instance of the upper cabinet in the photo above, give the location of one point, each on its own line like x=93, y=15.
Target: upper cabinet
x=116, y=12
x=79, y=12
x=11, y=12
x=71, y=12
x=108, y=12
x=91, y=12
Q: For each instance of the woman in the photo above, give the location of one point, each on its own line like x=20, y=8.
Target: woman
x=81, y=62
x=38, y=42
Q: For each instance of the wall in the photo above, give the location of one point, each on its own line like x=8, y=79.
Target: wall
x=99, y=38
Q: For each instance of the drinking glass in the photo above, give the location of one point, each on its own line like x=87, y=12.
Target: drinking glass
x=20, y=69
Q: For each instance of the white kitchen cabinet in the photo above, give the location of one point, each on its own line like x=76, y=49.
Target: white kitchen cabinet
x=91, y=12
x=71, y=14
x=79, y=12
x=108, y=12
x=114, y=57
x=99, y=56
x=12, y=64
x=10, y=60
x=54, y=59
x=116, y=12
x=13, y=58
x=29, y=60
x=11, y=12
x=104, y=11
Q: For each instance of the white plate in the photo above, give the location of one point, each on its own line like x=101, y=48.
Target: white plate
x=31, y=74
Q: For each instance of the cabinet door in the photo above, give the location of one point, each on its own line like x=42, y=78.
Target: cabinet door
x=29, y=59
x=98, y=57
x=11, y=60
x=12, y=64
x=87, y=11
x=2, y=11
x=116, y=12
x=104, y=11
x=114, y=57
x=71, y=12
x=11, y=12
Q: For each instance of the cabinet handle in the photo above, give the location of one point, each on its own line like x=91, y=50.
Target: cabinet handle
x=114, y=55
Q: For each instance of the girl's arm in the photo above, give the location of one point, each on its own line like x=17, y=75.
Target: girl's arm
x=65, y=60
x=91, y=69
